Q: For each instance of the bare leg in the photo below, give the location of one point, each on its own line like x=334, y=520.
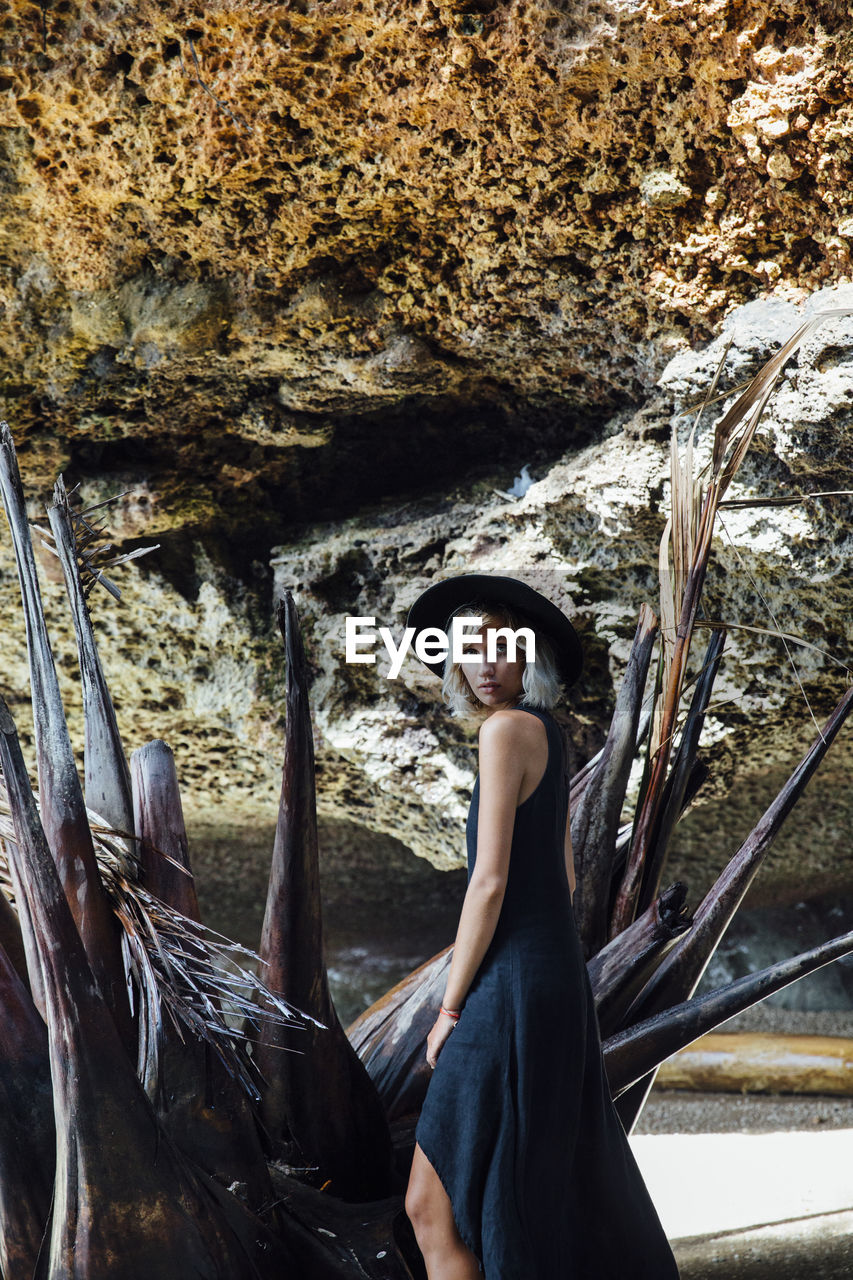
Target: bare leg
x=430, y=1212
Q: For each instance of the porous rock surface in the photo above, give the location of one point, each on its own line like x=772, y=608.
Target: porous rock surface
x=247, y=245
x=200, y=665
x=265, y=264
x=587, y=534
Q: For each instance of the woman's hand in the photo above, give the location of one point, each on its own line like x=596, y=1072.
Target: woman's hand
x=442, y=1027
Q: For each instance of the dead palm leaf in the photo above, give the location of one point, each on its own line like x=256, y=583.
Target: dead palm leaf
x=205, y=984
x=93, y=555
x=694, y=507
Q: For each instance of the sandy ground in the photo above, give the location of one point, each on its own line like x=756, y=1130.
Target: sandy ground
x=755, y=1204
x=752, y=1186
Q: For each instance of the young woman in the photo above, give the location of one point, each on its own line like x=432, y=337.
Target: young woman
x=521, y=1168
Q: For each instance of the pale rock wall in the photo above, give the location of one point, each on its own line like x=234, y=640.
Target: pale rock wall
x=192, y=670
x=587, y=535
x=199, y=663
x=267, y=264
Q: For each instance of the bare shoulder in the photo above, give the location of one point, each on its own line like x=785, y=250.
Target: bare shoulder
x=508, y=731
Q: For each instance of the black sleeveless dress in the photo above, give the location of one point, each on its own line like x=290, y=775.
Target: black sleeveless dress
x=518, y=1122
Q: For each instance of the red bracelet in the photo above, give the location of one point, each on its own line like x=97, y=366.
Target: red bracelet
x=450, y=1013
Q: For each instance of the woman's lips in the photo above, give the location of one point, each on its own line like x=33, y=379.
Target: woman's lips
x=489, y=687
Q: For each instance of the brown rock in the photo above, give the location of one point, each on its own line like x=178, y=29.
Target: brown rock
x=266, y=265
x=236, y=234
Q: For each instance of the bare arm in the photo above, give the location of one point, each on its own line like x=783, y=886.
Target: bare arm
x=570, y=857
x=501, y=776
x=503, y=764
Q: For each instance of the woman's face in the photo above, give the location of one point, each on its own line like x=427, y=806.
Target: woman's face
x=496, y=684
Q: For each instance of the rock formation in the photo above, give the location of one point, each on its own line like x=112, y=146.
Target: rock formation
x=204, y=668
x=587, y=533
x=248, y=245
x=320, y=277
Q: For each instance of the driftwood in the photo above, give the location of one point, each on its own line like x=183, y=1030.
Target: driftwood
x=595, y=818
x=754, y=1062
x=27, y=1137
x=63, y=813
x=390, y=1036
x=107, y=776
x=158, y=820
x=317, y=1092
x=200, y=1105
x=623, y=967
x=632, y=1054
x=682, y=779
x=121, y=1190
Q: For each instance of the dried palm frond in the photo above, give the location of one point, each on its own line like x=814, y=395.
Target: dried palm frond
x=678, y=543
x=696, y=499
x=712, y=624
x=202, y=981
x=705, y=400
x=794, y=501
x=742, y=418
x=93, y=555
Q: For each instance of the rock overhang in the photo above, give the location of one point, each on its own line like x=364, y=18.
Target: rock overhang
x=269, y=266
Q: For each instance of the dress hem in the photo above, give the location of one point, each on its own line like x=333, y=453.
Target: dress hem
x=462, y=1235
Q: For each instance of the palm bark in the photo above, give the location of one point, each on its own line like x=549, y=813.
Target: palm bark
x=623, y=967
x=390, y=1036
x=205, y=1111
x=107, y=777
x=63, y=812
x=125, y=1201
x=680, y=973
x=158, y=819
x=332, y=1240
x=12, y=939
x=632, y=1054
x=27, y=1139
x=595, y=814
x=631, y=884
x=681, y=782
x=317, y=1092
x=678, y=976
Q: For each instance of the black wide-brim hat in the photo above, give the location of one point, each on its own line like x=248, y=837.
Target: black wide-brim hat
x=436, y=606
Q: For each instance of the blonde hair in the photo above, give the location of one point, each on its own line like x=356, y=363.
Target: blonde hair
x=540, y=679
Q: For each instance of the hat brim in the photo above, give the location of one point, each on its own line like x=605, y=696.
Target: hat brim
x=435, y=607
